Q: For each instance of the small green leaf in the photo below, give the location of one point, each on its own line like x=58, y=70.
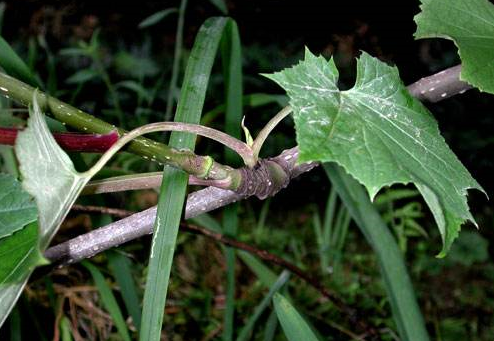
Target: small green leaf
x=16, y=206
x=248, y=137
x=137, y=88
x=155, y=18
x=293, y=324
x=470, y=24
x=82, y=76
x=130, y=65
x=379, y=133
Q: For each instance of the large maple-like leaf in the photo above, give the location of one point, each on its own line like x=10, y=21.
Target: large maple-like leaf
x=379, y=133
x=470, y=24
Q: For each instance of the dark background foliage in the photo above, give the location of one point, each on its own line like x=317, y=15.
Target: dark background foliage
x=456, y=294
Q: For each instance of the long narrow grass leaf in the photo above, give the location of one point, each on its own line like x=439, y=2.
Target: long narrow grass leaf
x=230, y=225
x=177, y=55
x=400, y=291
x=263, y=273
x=293, y=324
x=121, y=268
x=221, y=5
x=155, y=18
x=108, y=300
x=207, y=221
x=232, y=73
x=15, y=325
x=14, y=65
x=65, y=331
x=174, y=182
x=270, y=328
x=246, y=331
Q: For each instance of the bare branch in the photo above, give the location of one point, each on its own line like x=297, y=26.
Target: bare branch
x=439, y=86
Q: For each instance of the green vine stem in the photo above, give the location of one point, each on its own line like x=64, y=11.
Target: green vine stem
x=198, y=166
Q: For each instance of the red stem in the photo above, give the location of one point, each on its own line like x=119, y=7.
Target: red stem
x=73, y=142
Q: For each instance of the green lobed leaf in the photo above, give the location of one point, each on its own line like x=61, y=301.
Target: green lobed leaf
x=17, y=208
x=379, y=133
x=293, y=324
x=470, y=24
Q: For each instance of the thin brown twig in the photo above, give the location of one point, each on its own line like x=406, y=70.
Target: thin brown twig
x=117, y=212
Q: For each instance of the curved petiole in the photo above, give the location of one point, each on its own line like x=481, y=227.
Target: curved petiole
x=238, y=146
x=264, y=133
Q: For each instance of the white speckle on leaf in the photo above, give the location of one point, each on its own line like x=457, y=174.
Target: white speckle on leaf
x=444, y=94
x=158, y=225
x=432, y=89
x=4, y=89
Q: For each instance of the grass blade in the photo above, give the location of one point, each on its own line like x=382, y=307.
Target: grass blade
x=66, y=334
x=263, y=273
x=174, y=183
x=2, y=12
x=155, y=18
x=109, y=300
x=208, y=221
x=15, y=325
x=14, y=65
x=177, y=55
x=270, y=328
x=232, y=71
x=121, y=269
x=221, y=5
x=249, y=326
x=230, y=225
x=293, y=324
x=401, y=295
